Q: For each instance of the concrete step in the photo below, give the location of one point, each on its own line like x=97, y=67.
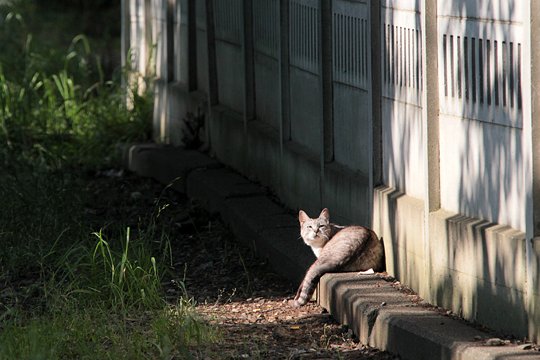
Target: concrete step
x=379, y=314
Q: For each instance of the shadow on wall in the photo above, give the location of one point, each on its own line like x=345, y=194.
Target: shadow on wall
x=402, y=137
x=485, y=281
x=479, y=267
x=482, y=166
x=482, y=163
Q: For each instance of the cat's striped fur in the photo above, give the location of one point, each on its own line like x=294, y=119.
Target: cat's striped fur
x=338, y=249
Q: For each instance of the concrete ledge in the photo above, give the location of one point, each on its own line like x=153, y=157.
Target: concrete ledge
x=388, y=319
x=440, y=268
x=379, y=314
x=400, y=220
x=166, y=163
x=479, y=293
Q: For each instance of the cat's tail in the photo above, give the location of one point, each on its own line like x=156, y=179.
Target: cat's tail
x=310, y=281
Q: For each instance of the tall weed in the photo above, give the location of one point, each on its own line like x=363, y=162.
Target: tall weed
x=65, y=290
x=128, y=278
x=68, y=111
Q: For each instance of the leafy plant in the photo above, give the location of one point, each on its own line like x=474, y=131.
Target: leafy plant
x=124, y=280
x=66, y=290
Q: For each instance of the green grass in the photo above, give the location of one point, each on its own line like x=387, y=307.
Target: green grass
x=70, y=288
x=58, y=106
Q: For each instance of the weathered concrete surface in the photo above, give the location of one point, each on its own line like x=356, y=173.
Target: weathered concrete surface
x=379, y=314
x=388, y=319
x=399, y=220
x=470, y=266
x=165, y=163
x=479, y=293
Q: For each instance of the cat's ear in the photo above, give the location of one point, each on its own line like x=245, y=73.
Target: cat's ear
x=325, y=214
x=302, y=216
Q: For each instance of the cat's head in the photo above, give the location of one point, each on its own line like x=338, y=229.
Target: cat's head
x=315, y=232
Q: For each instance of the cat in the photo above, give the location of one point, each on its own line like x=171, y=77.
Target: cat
x=338, y=249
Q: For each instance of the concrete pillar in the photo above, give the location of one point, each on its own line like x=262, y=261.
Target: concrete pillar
x=285, y=123
x=169, y=18
x=148, y=61
x=327, y=132
x=431, y=102
x=326, y=81
x=192, y=46
x=376, y=92
x=249, y=67
x=535, y=121
x=430, y=116
x=125, y=23
x=213, y=95
x=531, y=131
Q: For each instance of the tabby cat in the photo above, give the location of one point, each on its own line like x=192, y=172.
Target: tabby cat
x=338, y=249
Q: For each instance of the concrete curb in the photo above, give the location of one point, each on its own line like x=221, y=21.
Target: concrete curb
x=378, y=313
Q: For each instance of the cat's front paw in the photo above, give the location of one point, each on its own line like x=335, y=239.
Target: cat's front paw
x=295, y=303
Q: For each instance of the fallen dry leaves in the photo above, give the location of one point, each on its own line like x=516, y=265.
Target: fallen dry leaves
x=233, y=289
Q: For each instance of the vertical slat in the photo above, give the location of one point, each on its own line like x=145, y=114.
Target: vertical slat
x=362, y=53
x=305, y=33
x=384, y=49
x=294, y=27
x=352, y=46
x=445, y=64
x=489, y=74
x=408, y=58
x=504, y=73
x=466, y=65
x=353, y=59
x=399, y=55
x=420, y=63
x=512, y=75
x=481, y=71
x=365, y=50
x=416, y=60
x=394, y=56
x=459, y=63
x=314, y=28
x=413, y=59
x=519, y=83
x=341, y=46
x=474, y=66
x=408, y=44
x=316, y=13
x=451, y=78
x=496, y=72
x=306, y=22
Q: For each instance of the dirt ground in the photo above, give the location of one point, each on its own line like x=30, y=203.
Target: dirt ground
x=233, y=289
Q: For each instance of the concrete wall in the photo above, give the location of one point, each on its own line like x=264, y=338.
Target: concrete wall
x=411, y=116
